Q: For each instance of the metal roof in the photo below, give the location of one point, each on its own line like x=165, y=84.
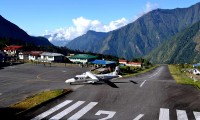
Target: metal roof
x=83, y=56
x=103, y=62
x=196, y=65
x=51, y=54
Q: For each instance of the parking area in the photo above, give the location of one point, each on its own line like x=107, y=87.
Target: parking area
x=20, y=81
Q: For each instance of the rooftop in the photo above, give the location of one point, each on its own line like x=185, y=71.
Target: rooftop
x=12, y=47
x=33, y=53
x=83, y=56
x=51, y=54
x=103, y=62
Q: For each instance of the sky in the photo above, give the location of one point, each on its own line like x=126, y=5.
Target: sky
x=67, y=19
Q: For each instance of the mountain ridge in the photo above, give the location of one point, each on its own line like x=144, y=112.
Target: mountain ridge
x=140, y=37
x=81, y=43
x=10, y=30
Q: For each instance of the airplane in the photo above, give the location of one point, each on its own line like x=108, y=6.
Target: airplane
x=89, y=77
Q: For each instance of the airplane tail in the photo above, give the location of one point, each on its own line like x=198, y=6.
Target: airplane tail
x=116, y=72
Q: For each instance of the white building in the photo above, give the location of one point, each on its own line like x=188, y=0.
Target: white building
x=12, y=50
x=126, y=63
x=48, y=56
x=33, y=55
x=134, y=64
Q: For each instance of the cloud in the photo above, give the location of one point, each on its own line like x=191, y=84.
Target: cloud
x=81, y=25
x=148, y=7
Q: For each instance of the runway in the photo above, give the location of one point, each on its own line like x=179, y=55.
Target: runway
x=20, y=81
x=150, y=96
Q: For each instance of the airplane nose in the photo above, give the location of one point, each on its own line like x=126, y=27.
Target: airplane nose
x=70, y=80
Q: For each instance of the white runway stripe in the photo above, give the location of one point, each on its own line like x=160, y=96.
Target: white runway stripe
x=83, y=111
x=164, y=114
x=143, y=83
x=139, y=117
x=48, y=112
x=66, y=111
x=181, y=115
x=197, y=115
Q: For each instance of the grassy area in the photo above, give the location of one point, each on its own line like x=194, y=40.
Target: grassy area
x=37, y=99
x=135, y=71
x=181, y=77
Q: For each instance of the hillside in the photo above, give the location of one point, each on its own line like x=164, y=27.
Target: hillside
x=145, y=34
x=182, y=48
x=18, y=36
x=86, y=42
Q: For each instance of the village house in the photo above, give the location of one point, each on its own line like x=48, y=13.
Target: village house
x=53, y=57
x=12, y=50
x=122, y=62
x=134, y=64
x=32, y=55
x=126, y=63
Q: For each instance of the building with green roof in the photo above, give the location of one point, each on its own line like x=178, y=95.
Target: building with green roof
x=82, y=58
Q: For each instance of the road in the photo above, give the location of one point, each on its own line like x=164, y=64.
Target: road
x=150, y=96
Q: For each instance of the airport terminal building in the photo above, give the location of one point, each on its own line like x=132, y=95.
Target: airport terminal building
x=82, y=58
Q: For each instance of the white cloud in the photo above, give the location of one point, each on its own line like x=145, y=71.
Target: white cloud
x=148, y=7
x=81, y=26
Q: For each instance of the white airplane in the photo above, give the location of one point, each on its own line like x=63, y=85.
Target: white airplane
x=88, y=77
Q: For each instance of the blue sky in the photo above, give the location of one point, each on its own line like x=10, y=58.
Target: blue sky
x=71, y=18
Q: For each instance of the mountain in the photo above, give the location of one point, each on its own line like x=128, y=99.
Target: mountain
x=139, y=38
x=60, y=43
x=56, y=41
x=182, y=48
x=86, y=42
x=13, y=32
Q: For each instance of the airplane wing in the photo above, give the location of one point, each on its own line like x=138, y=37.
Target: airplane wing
x=92, y=76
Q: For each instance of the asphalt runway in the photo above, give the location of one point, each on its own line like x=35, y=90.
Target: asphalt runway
x=20, y=81
x=150, y=96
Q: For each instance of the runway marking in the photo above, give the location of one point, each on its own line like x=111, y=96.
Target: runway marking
x=181, y=115
x=197, y=115
x=155, y=73
x=39, y=78
x=109, y=113
x=83, y=111
x=143, y=83
x=66, y=111
x=50, y=111
x=139, y=117
x=164, y=114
